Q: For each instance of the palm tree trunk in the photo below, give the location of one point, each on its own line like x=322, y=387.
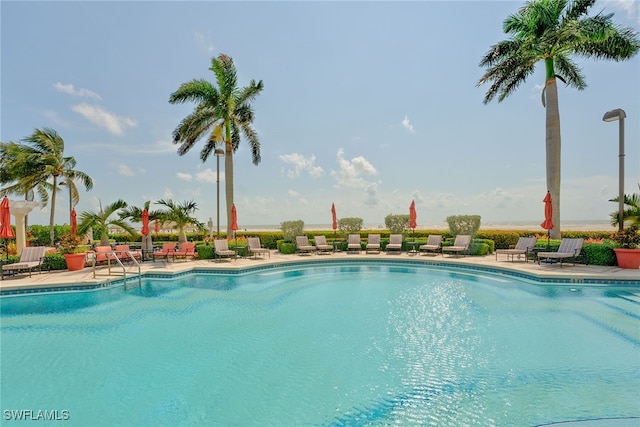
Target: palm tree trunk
x=553, y=152
x=53, y=208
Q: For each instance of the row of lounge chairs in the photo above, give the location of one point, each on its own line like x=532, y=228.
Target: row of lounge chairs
x=568, y=249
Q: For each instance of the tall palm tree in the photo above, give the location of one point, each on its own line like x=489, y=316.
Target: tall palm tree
x=552, y=31
x=221, y=114
x=70, y=176
x=102, y=219
x=42, y=158
x=180, y=214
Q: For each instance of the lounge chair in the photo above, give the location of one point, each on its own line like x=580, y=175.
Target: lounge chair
x=434, y=244
x=30, y=258
x=524, y=246
x=460, y=245
x=168, y=249
x=186, y=250
x=222, y=249
x=123, y=251
x=102, y=255
x=303, y=246
x=256, y=248
x=322, y=247
x=395, y=243
x=353, y=243
x=569, y=248
x=373, y=243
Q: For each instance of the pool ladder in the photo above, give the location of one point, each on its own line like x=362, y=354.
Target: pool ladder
x=112, y=256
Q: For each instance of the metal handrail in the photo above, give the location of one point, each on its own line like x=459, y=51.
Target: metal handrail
x=113, y=255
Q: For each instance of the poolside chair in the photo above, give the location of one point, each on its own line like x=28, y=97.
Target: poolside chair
x=222, y=249
x=353, y=243
x=460, y=245
x=186, y=250
x=322, y=247
x=102, y=255
x=302, y=245
x=168, y=249
x=373, y=243
x=30, y=258
x=256, y=248
x=434, y=244
x=395, y=243
x=524, y=246
x=569, y=248
x=124, y=253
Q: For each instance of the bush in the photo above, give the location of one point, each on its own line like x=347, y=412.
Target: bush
x=396, y=223
x=54, y=261
x=464, y=224
x=600, y=253
x=205, y=251
x=350, y=225
x=286, y=248
x=291, y=229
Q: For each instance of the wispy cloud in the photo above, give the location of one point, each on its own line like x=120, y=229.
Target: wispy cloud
x=301, y=163
x=82, y=92
x=630, y=7
x=208, y=175
x=204, y=40
x=407, y=124
x=125, y=170
x=105, y=119
x=351, y=172
x=182, y=176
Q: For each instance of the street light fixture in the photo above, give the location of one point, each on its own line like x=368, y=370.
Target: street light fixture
x=219, y=152
x=612, y=116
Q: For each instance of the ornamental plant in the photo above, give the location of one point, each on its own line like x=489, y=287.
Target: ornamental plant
x=628, y=238
x=69, y=244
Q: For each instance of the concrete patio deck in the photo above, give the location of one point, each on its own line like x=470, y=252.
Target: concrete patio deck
x=544, y=272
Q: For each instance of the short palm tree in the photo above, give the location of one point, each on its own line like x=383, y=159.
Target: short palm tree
x=631, y=211
x=42, y=158
x=552, y=31
x=102, y=220
x=221, y=115
x=180, y=215
x=134, y=213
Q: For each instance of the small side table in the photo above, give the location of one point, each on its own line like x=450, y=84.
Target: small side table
x=241, y=251
x=412, y=246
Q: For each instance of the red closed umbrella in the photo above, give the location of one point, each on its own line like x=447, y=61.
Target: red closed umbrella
x=145, y=222
x=234, y=218
x=74, y=222
x=334, y=219
x=6, y=232
x=547, y=224
x=412, y=215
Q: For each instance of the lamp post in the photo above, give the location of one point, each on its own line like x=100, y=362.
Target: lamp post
x=612, y=116
x=219, y=152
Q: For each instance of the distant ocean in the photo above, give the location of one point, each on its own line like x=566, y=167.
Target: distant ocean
x=583, y=225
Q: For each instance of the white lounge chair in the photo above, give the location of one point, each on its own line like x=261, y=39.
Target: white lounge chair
x=353, y=244
x=395, y=243
x=373, y=243
x=303, y=246
x=30, y=258
x=256, y=248
x=569, y=248
x=434, y=243
x=524, y=246
x=460, y=245
x=322, y=247
x=222, y=249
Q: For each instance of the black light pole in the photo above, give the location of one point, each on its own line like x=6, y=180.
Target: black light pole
x=612, y=116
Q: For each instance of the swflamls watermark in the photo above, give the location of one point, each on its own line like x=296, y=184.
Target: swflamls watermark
x=36, y=415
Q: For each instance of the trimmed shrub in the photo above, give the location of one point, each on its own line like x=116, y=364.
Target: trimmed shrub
x=291, y=229
x=464, y=224
x=396, y=223
x=54, y=261
x=600, y=253
x=285, y=247
x=350, y=225
x=205, y=251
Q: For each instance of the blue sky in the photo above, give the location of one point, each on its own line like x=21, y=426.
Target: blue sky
x=365, y=104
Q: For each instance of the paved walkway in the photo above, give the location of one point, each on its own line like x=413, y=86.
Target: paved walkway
x=575, y=273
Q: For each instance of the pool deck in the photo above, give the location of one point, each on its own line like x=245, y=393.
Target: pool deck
x=543, y=272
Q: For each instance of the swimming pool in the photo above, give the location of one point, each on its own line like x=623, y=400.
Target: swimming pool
x=328, y=345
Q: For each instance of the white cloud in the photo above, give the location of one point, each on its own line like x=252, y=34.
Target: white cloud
x=351, y=172
x=301, y=163
x=407, y=125
x=208, y=175
x=371, y=194
x=204, y=40
x=69, y=89
x=105, y=119
x=184, y=176
x=293, y=193
x=125, y=170
x=631, y=7
x=167, y=194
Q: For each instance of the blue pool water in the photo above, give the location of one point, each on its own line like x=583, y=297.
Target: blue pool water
x=333, y=345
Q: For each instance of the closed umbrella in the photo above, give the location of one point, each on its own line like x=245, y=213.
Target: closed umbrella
x=334, y=219
x=147, y=245
x=6, y=232
x=547, y=224
x=413, y=216
x=234, y=220
x=74, y=222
